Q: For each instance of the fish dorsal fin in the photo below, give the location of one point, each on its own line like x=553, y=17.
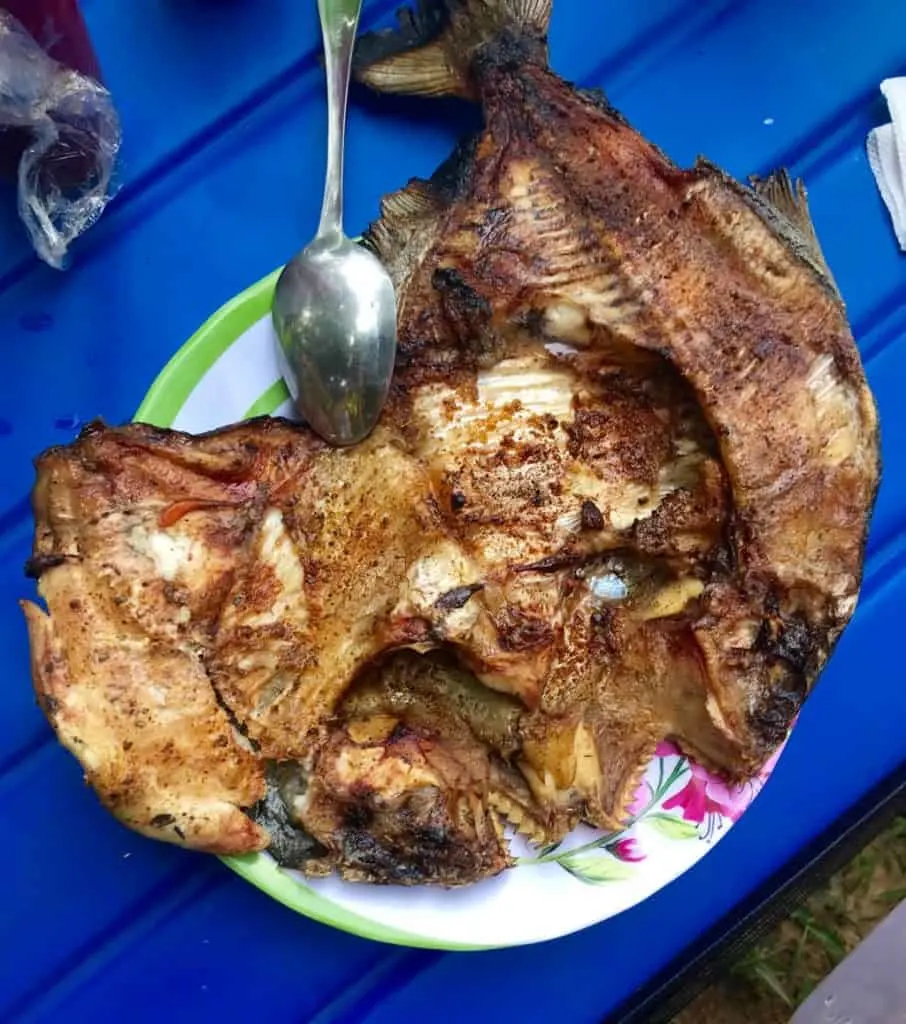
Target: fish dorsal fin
x=790, y=200
x=404, y=215
x=415, y=201
x=430, y=51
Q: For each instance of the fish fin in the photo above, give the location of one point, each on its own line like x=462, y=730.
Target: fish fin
x=407, y=214
x=414, y=201
x=431, y=50
x=425, y=71
x=402, y=214
x=790, y=199
x=533, y=14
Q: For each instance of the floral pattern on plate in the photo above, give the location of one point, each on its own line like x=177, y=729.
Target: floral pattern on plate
x=677, y=799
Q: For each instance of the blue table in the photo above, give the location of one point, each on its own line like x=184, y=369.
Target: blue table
x=220, y=180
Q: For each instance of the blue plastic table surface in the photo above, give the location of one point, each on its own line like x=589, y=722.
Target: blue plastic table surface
x=220, y=177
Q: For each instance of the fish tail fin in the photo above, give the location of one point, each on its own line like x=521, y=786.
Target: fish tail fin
x=433, y=49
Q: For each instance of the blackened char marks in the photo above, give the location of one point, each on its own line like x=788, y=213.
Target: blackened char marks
x=290, y=845
x=363, y=852
x=793, y=652
x=51, y=706
x=507, y=53
x=553, y=563
x=519, y=631
x=591, y=516
x=599, y=98
x=415, y=845
x=358, y=815
x=777, y=707
x=457, y=598
x=468, y=315
x=385, y=862
x=793, y=641
x=35, y=567
x=461, y=295
x=453, y=178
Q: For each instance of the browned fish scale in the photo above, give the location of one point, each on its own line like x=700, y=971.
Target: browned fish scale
x=624, y=479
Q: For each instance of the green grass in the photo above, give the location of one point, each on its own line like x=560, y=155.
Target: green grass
x=779, y=973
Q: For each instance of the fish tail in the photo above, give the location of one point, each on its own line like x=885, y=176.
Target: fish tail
x=437, y=45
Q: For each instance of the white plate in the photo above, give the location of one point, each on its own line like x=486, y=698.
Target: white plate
x=228, y=371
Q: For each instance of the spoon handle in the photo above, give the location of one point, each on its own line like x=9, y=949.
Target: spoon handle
x=339, y=21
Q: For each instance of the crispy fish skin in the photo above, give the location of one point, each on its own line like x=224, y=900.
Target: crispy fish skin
x=624, y=477
x=209, y=602
x=115, y=658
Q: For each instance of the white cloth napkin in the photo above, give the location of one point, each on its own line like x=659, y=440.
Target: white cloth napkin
x=887, y=156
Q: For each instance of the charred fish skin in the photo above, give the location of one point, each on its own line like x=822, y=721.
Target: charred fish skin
x=738, y=302
x=289, y=844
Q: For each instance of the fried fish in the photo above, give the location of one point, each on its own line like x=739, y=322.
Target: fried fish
x=620, y=493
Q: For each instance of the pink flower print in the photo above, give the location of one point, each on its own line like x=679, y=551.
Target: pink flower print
x=703, y=794
x=691, y=799
x=667, y=749
x=627, y=850
x=730, y=801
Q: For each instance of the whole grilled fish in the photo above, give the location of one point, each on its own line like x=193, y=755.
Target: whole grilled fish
x=620, y=493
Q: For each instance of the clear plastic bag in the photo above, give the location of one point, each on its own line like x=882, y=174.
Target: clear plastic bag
x=71, y=135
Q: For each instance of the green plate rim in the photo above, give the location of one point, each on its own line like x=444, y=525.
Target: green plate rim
x=176, y=381
x=160, y=407
x=264, y=873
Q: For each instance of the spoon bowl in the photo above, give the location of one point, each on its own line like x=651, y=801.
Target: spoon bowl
x=335, y=316
x=334, y=310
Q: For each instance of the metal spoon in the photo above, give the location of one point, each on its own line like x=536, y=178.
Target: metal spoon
x=334, y=309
